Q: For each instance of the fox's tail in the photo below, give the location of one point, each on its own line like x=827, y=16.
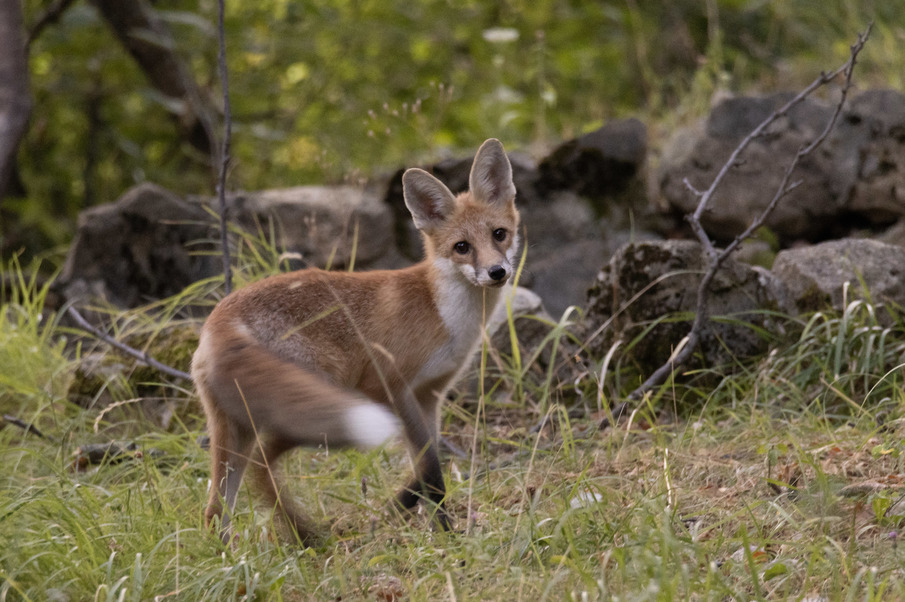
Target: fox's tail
x=258, y=406
x=259, y=391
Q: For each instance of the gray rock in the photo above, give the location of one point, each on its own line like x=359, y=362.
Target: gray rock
x=856, y=178
x=147, y=245
x=699, y=153
x=525, y=306
x=815, y=276
x=649, y=285
x=324, y=224
x=877, y=118
x=151, y=244
x=600, y=164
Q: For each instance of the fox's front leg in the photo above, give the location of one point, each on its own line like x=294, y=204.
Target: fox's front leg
x=421, y=433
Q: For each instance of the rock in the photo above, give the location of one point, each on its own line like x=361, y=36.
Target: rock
x=699, y=153
x=321, y=222
x=147, y=245
x=815, y=275
x=566, y=243
x=525, y=306
x=646, y=282
x=601, y=164
x=151, y=244
x=532, y=325
x=103, y=377
x=894, y=235
x=855, y=179
x=877, y=118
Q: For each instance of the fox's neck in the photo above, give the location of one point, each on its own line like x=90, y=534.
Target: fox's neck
x=463, y=306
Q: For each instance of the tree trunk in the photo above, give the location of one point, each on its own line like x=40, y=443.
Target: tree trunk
x=148, y=40
x=15, y=98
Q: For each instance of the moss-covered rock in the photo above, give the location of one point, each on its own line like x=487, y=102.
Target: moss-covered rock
x=646, y=297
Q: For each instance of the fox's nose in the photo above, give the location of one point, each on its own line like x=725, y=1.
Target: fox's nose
x=497, y=272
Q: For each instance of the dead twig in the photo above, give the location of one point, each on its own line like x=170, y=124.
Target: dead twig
x=139, y=355
x=26, y=426
x=48, y=17
x=714, y=259
x=224, y=151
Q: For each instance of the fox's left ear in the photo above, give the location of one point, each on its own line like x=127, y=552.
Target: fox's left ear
x=491, y=175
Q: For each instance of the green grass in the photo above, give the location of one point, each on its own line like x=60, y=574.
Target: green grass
x=733, y=482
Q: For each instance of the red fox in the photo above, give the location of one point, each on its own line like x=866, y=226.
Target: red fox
x=343, y=359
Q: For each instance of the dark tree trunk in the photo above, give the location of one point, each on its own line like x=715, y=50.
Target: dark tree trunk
x=15, y=98
x=150, y=43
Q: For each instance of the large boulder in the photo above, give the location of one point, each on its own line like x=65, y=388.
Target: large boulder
x=698, y=153
x=323, y=224
x=650, y=289
x=147, y=245
x=602, y=164
x=816, y=276
x=856, y=178
x=877, y=118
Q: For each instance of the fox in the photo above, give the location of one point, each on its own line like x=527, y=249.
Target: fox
x=350, y=359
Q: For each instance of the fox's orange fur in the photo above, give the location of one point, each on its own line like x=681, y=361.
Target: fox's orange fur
x=314, y=357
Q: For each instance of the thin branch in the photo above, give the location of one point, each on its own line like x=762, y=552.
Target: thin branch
x=48, y=17
x=26, y=426
x=146, y=36
x=139, y=355
x=716, y=259
x=224, y=150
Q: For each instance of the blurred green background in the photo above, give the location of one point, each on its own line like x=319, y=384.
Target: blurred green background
x=329, y=91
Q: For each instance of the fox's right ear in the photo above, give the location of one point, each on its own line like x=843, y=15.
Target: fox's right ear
x=429, y=200
x=491, y=175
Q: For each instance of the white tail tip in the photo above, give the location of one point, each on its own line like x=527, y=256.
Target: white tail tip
x=370, y=425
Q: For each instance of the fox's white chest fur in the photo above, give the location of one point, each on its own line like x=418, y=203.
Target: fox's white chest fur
x=463, y=308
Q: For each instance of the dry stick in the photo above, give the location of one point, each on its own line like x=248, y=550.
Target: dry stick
x=140, y=355
x=715, y=259
x=48, y=17
x=224, y=151
x=26, y=426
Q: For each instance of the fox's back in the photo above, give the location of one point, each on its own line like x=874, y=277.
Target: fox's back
x=338, y=323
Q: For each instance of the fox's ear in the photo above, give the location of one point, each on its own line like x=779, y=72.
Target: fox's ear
x=429, y=200
x=491, y=175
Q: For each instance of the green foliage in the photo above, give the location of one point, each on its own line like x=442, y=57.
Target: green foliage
x=34, y=371
x=333, y=90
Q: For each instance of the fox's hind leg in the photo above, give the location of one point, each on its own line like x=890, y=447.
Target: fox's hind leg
x=265, y=474
x=231, y=446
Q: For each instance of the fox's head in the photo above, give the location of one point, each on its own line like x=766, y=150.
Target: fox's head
x=476, y=232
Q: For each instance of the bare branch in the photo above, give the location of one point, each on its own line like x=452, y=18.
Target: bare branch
x=714, y=259
x=48, y=17
x=147, y=38
x=139, y=355
x=26, y=426
x=224, y=151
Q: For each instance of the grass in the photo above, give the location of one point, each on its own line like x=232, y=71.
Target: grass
x=774, y=479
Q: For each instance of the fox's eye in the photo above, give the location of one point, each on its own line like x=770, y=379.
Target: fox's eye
x=499, y=234
x=462, y=247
